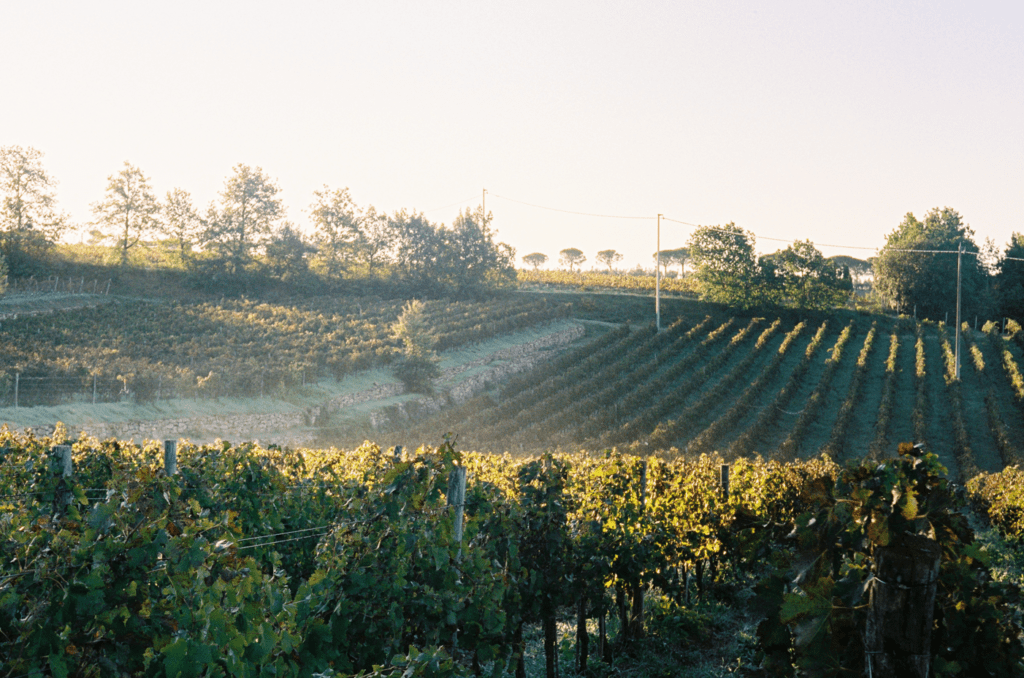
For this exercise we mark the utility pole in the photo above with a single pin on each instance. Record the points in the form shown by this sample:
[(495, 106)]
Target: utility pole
[(483, 209), (959, 258), (657, 280)]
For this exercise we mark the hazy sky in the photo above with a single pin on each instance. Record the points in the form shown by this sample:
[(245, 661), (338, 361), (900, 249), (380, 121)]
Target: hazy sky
[(820, 120)]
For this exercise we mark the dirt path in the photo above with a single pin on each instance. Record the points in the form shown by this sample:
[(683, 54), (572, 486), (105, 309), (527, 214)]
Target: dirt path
[(865, 412), (733, 391), (940, 433), (788, 417), (793, 357), (901, 428), (973, 388), (20, 304), (819, 432), (1011, 411)]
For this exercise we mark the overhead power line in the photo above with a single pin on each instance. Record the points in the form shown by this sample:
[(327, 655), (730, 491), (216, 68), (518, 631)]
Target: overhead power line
[(555, 209), (461, 202), (720, 230)]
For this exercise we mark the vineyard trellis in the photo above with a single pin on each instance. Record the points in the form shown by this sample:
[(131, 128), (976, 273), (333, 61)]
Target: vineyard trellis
[(176, 558)]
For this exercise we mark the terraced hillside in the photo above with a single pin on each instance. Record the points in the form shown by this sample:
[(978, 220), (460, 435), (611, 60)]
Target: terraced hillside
[(741, 386)]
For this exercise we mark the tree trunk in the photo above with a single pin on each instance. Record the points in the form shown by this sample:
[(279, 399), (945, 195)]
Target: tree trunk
[(582, 638), (897, 634), (636, 620), (520, 646), (550, 645), (623, 609)]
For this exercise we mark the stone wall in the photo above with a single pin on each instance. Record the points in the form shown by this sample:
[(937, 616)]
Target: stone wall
[(294, 428), (513, 360)]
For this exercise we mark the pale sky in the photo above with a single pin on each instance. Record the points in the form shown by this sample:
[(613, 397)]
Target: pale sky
[(819, 120)]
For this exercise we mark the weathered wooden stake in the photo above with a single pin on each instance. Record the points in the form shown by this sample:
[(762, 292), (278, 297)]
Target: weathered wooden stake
[(724, 481), (457, 497), (94, 389), (636, 619), (897, 634), (63, 497), (170, 457), (63, 452), (17, 379), (108, 287)]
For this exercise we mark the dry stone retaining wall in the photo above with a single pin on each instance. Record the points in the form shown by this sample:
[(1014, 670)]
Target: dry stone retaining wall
[(284, 424)]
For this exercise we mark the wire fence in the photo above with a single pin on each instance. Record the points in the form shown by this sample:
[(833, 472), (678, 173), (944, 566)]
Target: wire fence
[(56, 284)]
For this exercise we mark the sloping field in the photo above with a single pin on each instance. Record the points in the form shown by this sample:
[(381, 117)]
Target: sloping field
[(741, 386)]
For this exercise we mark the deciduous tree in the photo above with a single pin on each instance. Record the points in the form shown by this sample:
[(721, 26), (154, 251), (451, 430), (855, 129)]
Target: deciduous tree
[(128, 210), (181, 222), (926, 280), (336, 220), (571, 257), (249, 210), (29, 220), (1010, 279), (469, 255), (286, 254), (809, 280), (726, 268), (418, 366)]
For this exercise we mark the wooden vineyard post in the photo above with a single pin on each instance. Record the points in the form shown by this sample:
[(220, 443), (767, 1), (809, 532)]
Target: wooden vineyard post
[(62, 498), (724, 481), (63, 452), (636, 620), (897, 635), (93, 389), (170, 457), (17, 379), (457, 498)]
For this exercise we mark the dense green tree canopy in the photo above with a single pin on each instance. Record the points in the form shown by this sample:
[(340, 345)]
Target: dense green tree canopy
[(469, 256), (286, 254), (927, 281), (725, 266), (1010, 279), (809, 280)]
